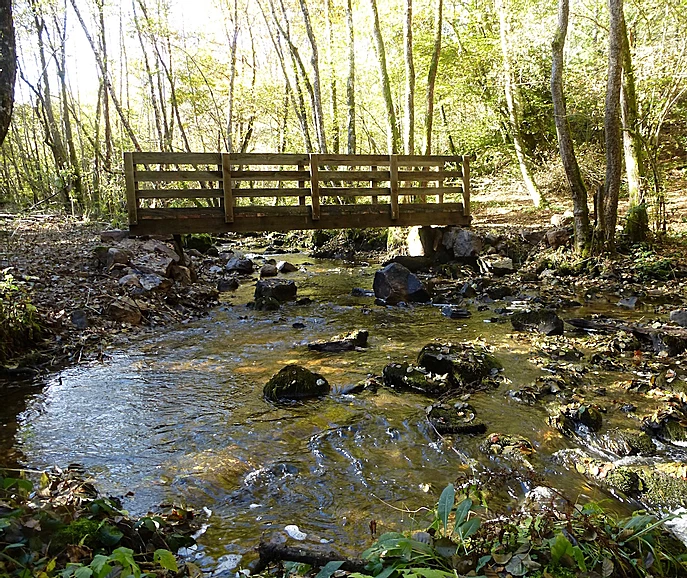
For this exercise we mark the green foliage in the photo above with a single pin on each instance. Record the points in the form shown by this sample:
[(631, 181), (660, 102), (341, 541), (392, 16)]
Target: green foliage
[(20, 325), (650, 266)]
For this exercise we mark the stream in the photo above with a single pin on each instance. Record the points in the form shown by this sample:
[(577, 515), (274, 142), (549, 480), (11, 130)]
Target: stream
[(179, 417)]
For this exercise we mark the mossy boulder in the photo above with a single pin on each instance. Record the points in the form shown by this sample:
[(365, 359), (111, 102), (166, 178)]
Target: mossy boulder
[(200, 242), (628, 442), (294, 382), (542, 321), (406, 377), (498, 444), (668, 424), (574, 417), (466, 366)]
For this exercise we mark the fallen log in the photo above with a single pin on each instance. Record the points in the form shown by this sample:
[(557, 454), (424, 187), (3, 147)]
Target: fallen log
[(271, 552)]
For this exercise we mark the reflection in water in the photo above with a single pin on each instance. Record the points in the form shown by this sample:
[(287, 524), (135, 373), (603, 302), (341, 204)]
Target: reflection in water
[(181, 418)]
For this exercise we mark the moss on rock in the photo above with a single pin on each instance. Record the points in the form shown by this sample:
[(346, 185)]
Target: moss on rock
[(294, 382)]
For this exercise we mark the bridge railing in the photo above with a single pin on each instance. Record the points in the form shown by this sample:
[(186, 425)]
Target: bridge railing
[(217, 192)]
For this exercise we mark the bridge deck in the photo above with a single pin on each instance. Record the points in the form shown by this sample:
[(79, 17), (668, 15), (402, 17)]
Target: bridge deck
[(218, 192)]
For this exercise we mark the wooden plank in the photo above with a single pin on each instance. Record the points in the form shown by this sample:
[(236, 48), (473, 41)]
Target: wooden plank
[(130, 181), (179, 193), (353, 160), (420, 160), (315, 186), (353, 175), (177, 176), (428, 175), (271, 175), (301, 185), (227, 185), (332, 217), (375, 184), (393, 185), (268, 158), (152, 158), (273, 192), (466, 186)]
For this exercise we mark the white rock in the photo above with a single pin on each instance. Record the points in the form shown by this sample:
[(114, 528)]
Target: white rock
[(294, 532)]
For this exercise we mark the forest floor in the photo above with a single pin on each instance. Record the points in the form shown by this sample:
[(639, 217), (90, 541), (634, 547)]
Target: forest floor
[(54, 259)]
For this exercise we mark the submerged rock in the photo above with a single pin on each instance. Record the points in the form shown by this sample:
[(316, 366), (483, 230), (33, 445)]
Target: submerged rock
[(294, 382), (668, 424), (240, 265), (227, 284), (454, 418), (395, 284), (542, 321), (405, 377), (453, 312), (628, 442), (280, 289), (340, 343), (506, 445), (569, 418)]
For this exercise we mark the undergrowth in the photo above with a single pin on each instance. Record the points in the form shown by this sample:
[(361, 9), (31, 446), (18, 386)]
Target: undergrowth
[(20, 325)]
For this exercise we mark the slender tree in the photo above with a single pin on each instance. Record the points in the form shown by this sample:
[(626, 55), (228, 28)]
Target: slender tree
[(409, 125), (334, 105), (432, 77), (565, 143), (350, 82), (8, 66)]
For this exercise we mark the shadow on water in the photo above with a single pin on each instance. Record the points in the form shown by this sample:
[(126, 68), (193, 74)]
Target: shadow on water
[(181, 418)]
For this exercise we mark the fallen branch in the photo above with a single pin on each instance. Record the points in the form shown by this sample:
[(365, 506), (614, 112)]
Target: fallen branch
[(271, 552)]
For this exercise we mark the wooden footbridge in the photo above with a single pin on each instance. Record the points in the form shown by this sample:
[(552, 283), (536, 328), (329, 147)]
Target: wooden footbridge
[(174, 193)]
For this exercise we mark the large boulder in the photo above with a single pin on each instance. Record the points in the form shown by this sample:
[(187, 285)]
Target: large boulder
[(240, 265), (541, 321), (294, 382), (463, 243), (340, 343), (280, 289), (465, 365), (395, 284), (679, 316), (125, 310)]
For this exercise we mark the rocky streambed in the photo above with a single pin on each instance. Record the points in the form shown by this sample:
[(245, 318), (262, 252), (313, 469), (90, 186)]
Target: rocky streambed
[(492, 361)]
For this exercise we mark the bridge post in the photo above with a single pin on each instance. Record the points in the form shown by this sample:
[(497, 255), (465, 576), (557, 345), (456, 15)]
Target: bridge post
[(130, 178), (466, 186), (315, 185), (393, 185), (227, 186)]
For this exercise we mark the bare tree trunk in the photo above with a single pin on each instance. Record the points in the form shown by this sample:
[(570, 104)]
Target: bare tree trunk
[(514, 107), (409, 126), (108, 84), (432, 77), (393, 136), (106, 98), (565, 143), (613, 139), (314, 61), (336, 146), (8, 66), (350, 83), (233, 44)]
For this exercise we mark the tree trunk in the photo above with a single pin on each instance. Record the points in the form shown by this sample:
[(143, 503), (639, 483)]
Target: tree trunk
[(513, 102), (233, 44), (432, 77), (613, 138), (106, 98), (409, 127), (350, 83), (565, 143), (317, 91), (8, 66), (336, 139), (393, 136)]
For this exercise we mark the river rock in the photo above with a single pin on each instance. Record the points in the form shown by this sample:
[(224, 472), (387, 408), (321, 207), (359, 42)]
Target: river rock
[(557, 238), (240, 265), (413, 264), (568, 419), (286, 267), (542, 321), (462, 242), (395, 284), (227, 284), (79, 319), (498, 265), (627, 442), (453, 312), (200, 242), (181, 274), (466, 366), (454, 418), (125, 310), (668, 344), (153, 282), (406, 377), (130, 280), (679, 316), (280, 289), (543, 499), (268, 270), (498, 292), (668, 424), (340, 343), (294, 382), (113, 235), (507, 445)]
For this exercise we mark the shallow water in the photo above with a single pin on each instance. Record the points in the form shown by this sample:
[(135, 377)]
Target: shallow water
[(179, 417)]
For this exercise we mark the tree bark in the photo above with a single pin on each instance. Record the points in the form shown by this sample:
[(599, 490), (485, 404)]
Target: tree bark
[(409, 126), (612, 127), (350, 83), (8, 66), (514, 107), (565, 143), (432, 77), (233, 44), (393, 136), (336, 139)]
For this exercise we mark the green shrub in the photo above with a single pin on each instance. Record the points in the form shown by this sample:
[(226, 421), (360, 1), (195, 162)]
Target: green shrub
[(20, 325)]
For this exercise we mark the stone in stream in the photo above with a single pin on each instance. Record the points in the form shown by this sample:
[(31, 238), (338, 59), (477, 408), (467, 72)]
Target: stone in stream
[(405, 377), (628, 442), (448, 417), (286, 267), (455, 312), (542, 321), (465, 366), (498, 444), (280, 289), (227, 284), (339, 343), (79, 319), (668, 344), (124, 310), (679, 316), (569, 418), (268, 270), (294, 382), (668, 424), (395, 284), (240, 265), (462, 242)]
